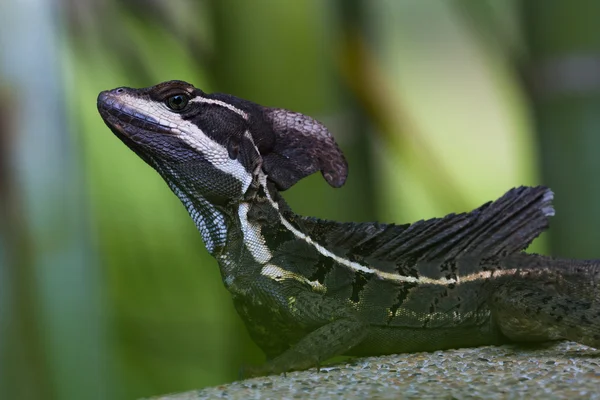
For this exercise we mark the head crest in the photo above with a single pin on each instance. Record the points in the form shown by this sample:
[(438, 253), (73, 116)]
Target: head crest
[(301, 146)]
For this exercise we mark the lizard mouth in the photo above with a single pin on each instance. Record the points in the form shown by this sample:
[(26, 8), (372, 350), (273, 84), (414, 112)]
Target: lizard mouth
[(124, 119)]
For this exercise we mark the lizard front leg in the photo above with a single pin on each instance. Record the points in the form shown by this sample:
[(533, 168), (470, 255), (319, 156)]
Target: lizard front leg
[(321, 344), (335, 331)]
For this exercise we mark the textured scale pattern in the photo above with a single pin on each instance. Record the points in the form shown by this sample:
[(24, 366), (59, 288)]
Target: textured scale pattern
[(309, 289)]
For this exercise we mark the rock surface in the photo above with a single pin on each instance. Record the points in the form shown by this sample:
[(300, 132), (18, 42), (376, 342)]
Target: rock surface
[(561, 371)]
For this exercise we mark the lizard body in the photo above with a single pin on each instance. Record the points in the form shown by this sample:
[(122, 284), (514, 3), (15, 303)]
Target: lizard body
[(309, 289)]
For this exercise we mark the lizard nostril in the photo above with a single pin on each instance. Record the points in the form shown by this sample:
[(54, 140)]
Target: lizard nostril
[(119, 90)]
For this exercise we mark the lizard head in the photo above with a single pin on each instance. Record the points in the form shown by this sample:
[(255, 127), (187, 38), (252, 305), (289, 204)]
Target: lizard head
[(210, 148), (174, 123)]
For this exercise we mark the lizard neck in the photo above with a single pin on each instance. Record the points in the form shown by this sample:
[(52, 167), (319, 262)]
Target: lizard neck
[(244, 235), (256, 228)]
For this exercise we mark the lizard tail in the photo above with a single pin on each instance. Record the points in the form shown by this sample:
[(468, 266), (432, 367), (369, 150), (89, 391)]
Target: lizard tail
[(550, 299)]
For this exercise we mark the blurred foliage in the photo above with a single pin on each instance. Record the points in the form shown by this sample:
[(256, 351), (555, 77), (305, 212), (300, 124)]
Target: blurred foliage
[(427, 100), (563, 76)]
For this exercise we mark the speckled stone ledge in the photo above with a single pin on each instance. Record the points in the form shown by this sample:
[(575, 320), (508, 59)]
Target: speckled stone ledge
[(560, 371)]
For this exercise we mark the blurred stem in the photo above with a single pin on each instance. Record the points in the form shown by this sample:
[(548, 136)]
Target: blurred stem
[(58, 302), (352, 26), (564, 44), (369, 88), (23, 359)]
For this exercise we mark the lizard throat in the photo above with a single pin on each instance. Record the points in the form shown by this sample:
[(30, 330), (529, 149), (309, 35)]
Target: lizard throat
[(209, 220)]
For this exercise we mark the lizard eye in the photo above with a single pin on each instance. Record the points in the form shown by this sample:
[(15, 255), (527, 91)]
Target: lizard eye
[(177, 102)]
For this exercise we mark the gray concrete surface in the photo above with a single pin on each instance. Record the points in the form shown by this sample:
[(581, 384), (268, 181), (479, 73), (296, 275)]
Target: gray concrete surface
[(558, 371)]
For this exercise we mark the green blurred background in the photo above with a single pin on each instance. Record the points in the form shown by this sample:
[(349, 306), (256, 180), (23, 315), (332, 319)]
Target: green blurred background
[(106, 291)]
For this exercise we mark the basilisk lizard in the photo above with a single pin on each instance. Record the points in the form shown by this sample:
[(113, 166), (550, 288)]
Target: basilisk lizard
[(309, 289)]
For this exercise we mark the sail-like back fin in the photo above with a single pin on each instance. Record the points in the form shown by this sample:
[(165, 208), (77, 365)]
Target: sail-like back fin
[(505, 226)]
